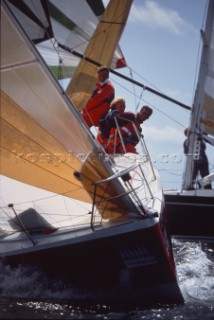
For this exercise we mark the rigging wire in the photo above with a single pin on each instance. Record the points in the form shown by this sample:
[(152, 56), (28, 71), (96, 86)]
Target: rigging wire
[(147, 102), (140, 97), (131, 76), (149, 82)]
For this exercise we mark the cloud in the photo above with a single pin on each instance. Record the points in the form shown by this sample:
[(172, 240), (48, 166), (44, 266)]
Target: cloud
[(155, 16), (167, 134)]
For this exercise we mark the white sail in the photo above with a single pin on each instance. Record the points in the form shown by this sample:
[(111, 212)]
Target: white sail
[(69, 23), (202, 115)]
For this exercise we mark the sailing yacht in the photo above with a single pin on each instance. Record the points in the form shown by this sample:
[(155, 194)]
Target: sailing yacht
[(97, 221), (190, 210)]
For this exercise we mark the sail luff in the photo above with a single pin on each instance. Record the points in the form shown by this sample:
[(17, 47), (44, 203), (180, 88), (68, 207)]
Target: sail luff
[(101, 48)]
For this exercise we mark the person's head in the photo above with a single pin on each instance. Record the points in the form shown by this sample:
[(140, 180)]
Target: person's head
[(144, 114), (118, 104), (102, 73), (186, 132)]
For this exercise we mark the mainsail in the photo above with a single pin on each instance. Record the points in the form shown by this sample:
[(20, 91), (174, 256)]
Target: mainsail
[(202, 116), (100, 49), (44, 140)]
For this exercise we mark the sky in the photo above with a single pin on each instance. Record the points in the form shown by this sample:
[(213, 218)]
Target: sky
[(161, 44)]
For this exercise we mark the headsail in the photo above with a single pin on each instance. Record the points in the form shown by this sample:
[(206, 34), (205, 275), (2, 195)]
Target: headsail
[(101, 49), (44, 139), (35, 126), (202, 116)]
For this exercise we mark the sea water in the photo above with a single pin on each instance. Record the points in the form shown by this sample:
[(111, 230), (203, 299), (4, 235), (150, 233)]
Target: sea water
[(27, 294)]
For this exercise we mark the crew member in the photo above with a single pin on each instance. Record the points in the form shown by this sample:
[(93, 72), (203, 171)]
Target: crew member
[(201, 165), (99, 103), (128, 123), (117, 107)]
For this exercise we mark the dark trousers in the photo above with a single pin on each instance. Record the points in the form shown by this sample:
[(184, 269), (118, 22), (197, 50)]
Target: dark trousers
[(202, 167)]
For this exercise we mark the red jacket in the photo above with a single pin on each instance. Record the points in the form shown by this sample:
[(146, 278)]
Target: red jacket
[(126, 121), (98, 104)]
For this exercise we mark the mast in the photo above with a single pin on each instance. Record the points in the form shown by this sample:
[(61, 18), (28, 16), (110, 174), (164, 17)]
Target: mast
[(202, 118)]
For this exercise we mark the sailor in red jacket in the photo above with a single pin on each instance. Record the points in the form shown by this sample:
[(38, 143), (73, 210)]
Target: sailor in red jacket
[(127, 130), (99, 103)]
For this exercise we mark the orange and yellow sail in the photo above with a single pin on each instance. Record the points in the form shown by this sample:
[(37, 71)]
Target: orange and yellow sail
[(43, 138)]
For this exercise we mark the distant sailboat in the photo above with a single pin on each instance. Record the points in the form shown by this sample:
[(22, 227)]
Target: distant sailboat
[(119, 243), (191, 212)]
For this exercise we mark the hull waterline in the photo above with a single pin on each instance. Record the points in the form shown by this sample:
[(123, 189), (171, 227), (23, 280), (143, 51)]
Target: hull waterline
[(132, 267)]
